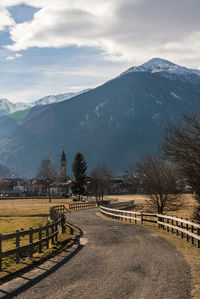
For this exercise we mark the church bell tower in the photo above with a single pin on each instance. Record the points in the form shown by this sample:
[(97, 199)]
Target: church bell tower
[(63, 164)]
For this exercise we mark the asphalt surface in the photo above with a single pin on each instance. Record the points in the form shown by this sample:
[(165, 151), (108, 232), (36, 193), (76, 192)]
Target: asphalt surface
[(115, 260)]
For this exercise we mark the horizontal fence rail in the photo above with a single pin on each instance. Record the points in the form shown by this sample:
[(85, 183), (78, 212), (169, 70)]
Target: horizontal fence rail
[(184, 228), (128, 215), (80, 206), (36, 237)]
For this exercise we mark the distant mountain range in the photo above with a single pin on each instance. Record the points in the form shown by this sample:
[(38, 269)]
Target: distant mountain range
[(116, 123), (7, 107)]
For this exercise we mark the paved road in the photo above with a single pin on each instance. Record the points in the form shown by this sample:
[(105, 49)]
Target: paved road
[(116, 261)]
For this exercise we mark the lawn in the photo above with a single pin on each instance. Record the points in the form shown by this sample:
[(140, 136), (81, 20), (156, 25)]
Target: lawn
[(29, 207)]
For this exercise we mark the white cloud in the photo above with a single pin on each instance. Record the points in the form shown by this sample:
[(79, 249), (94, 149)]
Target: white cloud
[(18, 55), (6, 19), (10, 58), (124, 30)]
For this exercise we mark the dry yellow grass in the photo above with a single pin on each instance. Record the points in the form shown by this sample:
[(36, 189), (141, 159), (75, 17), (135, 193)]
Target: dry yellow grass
[(16, 214), (29, 207), (185, 204), (11, 224)]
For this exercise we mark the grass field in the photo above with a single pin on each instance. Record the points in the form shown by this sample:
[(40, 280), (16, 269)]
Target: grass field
[(29, 207), (184, 208), (17, 214)]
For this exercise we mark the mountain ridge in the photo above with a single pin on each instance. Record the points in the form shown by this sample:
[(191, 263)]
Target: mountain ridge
[(115, 123), (160, 65)]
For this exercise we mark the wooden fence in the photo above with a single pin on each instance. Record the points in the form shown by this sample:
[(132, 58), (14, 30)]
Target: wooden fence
[(36, 237), (187, 230), (80, 206), (56, 212), (128, 216)]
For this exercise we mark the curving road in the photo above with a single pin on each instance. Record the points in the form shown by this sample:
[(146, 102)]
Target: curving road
[(115, 261)]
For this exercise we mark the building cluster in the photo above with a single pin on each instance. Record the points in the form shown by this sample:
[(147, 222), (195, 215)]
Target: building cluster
[(61, 185), (14, 187)]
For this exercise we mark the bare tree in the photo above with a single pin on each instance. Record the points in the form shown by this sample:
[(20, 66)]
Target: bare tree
[(46, 174), (158, 181), (182, 145), (132, 183), (100, 181)]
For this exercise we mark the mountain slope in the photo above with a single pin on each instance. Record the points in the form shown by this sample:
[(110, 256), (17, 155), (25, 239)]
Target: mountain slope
[(6, 107), (115, 123)]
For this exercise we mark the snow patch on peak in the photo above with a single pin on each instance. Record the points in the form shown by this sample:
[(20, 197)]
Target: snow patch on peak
[(7, 107), (57, 98), (156, 65)]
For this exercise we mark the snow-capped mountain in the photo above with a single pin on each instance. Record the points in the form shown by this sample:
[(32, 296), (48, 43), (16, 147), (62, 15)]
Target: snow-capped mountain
[(158, 65), (115, 123), (7, 107), (56, 98)]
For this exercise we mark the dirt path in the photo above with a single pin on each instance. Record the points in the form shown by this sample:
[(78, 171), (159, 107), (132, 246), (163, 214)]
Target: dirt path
[(116, 261)]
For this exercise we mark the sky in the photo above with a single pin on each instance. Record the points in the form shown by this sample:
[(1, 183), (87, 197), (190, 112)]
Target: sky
[(57, 46)]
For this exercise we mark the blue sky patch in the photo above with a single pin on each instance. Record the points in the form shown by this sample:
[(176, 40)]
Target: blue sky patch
[(22, 13)]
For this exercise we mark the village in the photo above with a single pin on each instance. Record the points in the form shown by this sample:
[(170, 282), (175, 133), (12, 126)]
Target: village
[(60, 186)]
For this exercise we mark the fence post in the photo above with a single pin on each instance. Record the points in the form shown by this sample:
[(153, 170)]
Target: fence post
[(172, 223), (167, 226), (130, 217), (187, 237), (181, 227), (177, 229), (192, 230), (47, 234), (40, 237), (163, 225), (158, 221), (63, 219), (52, 231), (56, 236), (0, 253), (198, 241), (17, 246), (141, 218), (31, 242)]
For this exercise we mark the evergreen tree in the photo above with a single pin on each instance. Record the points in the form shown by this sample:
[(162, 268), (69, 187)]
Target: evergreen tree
[(79, 168)]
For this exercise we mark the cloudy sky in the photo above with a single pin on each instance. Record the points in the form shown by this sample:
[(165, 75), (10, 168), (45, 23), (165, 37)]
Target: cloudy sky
[(56, 46)]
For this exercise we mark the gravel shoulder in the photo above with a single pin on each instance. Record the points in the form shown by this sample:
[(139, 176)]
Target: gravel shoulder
[(115, 260)]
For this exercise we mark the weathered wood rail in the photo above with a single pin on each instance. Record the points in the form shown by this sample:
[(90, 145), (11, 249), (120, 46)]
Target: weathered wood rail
[(36, 237), (80, 206), (130, 216), (184, 228)]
